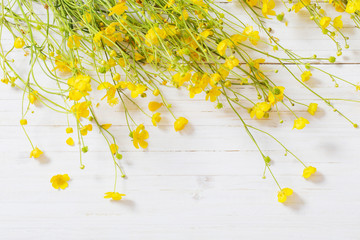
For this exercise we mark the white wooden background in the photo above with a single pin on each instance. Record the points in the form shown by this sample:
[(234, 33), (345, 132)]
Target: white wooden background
[(204, 183)]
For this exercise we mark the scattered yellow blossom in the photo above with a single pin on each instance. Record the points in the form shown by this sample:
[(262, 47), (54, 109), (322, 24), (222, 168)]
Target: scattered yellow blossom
[(106, 126), (213, 94), (33, 97), (324, 22), (300, 5), (338, 23), (23, 122), (60, 181), (352, 6), (180, 123), (260, 109), (139, 137), (114, 195), (19, 42), (81, 110), (276, 95), (153, 106), (70, 142), (119, 8), (312, 108), (305, 76), (114, 148), (73, 41), (155, 119), (69, 130), (267, 8), (36, 153), (300, 123), (308, 171), (284, 193)]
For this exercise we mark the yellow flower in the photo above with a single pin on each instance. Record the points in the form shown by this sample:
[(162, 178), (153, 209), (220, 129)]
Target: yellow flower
[(252, 2), (213, 94), (87, 17), (80, 82), (69, 130), (139, 137), (284, 193), (153, 106), (81, 110), (136, 90), (155, 119), (267, 8), (300, 123), (231, 62), (180, 123), (300, 5), (62, 65), (106, 126), (19, 42), (36, 152), (324, 22), (73, 41), (114, 148), (33, 97), (352, 6), (114, 195), (305, 76), (70, 142), (60, 181), (23, 122), (308, 171), (222, 46), (237, 38), (276, 95), (193, 90), (153, 35), (119, 8), (185, 15), (260, 109), (180, 78), (312, 108), (338, 23), (84, 130)]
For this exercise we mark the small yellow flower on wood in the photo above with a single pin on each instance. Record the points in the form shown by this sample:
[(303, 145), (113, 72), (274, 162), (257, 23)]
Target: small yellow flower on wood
[(308, 171), (114, 148), (33, 97), (23, 122), (36, 152), (284, 193), (300, 123), (69, 130), (338, 23), (153, 106), (324, 22), (70, 141), (155, 119), (139, 137), (305, 76), (312, 108), (106, 126), (60, 181), (114, 195), (180, 123)]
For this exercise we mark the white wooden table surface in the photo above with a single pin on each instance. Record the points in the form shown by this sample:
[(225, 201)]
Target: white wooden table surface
[(204, 183)]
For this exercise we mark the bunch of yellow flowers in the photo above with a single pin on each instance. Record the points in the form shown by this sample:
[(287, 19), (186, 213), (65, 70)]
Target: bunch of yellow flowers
[(129, 49)]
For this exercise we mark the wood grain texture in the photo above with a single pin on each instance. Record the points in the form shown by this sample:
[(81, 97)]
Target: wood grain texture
[(203, 183)]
